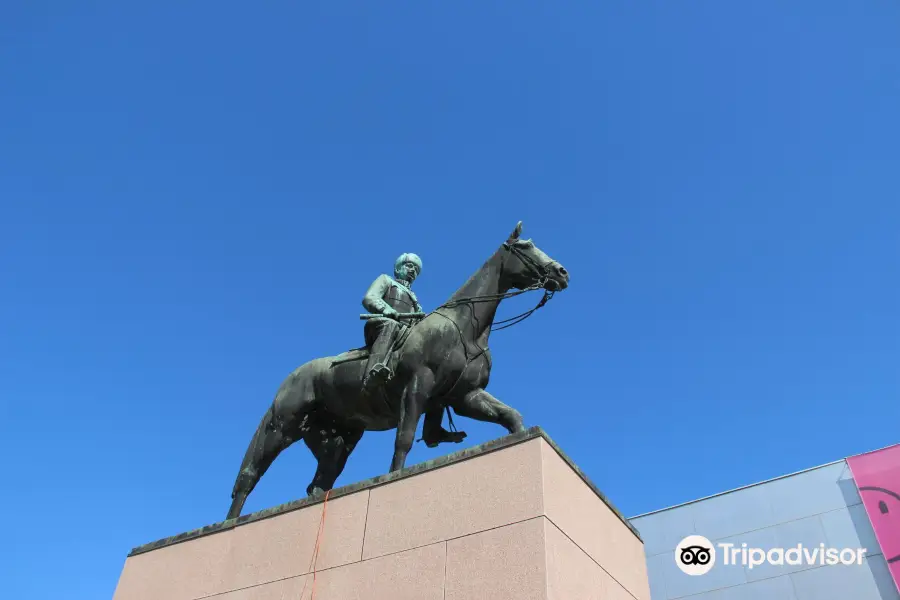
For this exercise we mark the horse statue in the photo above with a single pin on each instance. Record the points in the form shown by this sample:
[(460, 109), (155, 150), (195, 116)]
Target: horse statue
[(441, 362)]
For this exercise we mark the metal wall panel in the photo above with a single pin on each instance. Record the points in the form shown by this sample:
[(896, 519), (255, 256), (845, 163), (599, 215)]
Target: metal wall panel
[(818, 506)]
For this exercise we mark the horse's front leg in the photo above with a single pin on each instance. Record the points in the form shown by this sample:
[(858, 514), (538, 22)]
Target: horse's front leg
[(480, 405), (412, 404)]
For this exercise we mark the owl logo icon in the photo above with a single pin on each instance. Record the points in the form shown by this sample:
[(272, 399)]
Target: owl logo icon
[(695, 555)]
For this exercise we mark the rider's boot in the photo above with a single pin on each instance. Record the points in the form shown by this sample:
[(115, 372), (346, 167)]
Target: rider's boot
[(433, 434), (379, 375), (377, 371), (444, 437)]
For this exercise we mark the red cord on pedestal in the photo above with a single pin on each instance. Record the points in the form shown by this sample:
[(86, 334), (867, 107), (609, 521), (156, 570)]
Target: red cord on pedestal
[(315, 556)]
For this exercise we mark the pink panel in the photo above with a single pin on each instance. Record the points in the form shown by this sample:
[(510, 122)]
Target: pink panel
[(877, 476)]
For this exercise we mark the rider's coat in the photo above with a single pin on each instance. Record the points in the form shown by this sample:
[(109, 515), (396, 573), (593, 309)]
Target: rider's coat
[(387, 291)]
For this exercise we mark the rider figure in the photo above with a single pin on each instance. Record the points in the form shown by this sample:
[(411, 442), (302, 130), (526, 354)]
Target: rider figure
[(389, 297)]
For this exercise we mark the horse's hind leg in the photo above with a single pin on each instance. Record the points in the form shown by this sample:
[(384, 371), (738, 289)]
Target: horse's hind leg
[(331, 447), (482, 406)]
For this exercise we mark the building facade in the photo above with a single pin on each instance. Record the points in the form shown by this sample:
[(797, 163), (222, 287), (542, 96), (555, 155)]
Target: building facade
[(818, 508)]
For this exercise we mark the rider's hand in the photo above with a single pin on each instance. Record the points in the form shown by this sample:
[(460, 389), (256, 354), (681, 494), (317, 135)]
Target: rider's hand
[(390, 313)]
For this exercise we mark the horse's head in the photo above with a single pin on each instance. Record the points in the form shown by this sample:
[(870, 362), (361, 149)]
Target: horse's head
[(528, 265)]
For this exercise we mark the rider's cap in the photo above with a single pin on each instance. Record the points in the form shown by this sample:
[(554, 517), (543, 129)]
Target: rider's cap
[(407, 257)]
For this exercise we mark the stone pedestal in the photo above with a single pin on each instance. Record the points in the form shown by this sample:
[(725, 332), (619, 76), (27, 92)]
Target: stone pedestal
[(512, 519)]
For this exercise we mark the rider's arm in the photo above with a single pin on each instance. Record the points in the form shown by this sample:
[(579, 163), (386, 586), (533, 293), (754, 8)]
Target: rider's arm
[(373, 300)]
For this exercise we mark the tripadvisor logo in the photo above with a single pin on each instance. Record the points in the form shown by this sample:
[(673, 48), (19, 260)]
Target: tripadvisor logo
[(696, 555)]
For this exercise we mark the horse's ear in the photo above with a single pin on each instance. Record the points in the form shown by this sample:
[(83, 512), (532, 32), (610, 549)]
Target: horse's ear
[(516, 232)]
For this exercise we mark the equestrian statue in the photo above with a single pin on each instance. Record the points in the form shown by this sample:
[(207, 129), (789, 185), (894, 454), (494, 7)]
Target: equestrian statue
[(414, 364)]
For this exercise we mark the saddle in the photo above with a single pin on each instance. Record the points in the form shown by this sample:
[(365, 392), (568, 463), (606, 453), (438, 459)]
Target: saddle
[(358, 354)]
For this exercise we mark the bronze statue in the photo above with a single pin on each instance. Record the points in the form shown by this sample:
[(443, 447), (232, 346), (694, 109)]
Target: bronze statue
[(440, 362), (388, 297)]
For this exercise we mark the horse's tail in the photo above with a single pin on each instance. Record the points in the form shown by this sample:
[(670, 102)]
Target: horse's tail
[(268, 441), (265, 425)]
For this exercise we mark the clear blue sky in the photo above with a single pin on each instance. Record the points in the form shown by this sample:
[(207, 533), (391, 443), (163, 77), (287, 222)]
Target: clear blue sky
[(195, 197)]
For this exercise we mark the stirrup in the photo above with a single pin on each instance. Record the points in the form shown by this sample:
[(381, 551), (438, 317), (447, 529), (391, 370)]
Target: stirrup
[(382, 372), (377, 377)]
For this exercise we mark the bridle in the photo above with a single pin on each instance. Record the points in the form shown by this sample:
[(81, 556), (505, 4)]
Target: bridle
[(541, 273)]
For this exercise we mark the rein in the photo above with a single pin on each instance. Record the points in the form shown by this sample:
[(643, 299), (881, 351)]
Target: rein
[(534, 267), (494, 297)]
